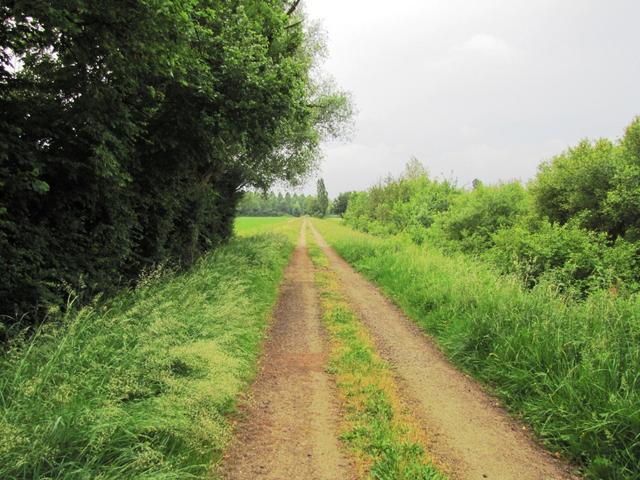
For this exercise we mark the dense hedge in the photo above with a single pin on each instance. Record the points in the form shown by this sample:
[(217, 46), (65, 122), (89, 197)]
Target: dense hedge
[(128, 128)]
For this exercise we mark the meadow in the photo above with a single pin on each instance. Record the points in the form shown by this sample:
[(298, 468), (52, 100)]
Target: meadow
[(567, 367), (141, 385), (247, 226)]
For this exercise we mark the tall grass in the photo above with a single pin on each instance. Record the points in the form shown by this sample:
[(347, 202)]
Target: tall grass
[(570, 369), (139, 386)]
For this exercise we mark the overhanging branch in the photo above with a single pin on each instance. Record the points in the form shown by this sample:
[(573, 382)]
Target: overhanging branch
[(293, 7)]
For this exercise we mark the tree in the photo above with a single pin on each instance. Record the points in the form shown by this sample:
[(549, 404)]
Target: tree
[(595, 184), (575, 184), (414, 169), (129, 132), (623, 200), (322, 198), (257, 204), (340, 203)]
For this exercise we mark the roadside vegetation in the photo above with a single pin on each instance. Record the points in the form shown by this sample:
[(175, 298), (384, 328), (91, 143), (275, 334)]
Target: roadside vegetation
[(128, 134), (376, 429), (140, 385), (568, 367), (130, 318), (535, 288), (576, 226)]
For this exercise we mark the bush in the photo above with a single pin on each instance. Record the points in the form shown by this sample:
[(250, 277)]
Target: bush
[(571, 258), (596, 185), (409, 204), (577, 225), (623, 201), (475, 216)]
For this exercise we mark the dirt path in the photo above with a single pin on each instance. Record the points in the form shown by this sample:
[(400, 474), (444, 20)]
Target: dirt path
[(470, 436), (289, 429)]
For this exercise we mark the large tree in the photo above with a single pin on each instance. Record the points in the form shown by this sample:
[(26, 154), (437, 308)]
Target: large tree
[(340, 204), (129, 128)]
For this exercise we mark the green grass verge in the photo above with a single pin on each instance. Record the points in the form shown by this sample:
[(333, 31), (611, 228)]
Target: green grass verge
[(140, 386), (570, 369), (377, 430)]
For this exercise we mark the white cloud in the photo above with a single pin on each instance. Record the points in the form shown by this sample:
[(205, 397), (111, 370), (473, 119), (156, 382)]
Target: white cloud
[(485, 44)]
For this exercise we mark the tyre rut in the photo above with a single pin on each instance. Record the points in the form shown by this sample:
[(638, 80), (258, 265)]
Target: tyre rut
[(471, 436), (288, 426)]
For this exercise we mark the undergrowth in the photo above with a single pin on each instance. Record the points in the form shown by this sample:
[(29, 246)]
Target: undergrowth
[(139, 386), (570, 369)]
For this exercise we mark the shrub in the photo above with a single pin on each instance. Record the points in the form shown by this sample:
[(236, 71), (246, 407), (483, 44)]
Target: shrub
[(475, 216), (571, 257)]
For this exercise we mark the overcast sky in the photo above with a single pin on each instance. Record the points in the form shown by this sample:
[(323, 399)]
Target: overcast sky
[(476, 89)]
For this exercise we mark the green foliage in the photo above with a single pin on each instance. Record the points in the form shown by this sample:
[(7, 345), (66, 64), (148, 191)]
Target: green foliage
[(569, 368), (596, 185), (574, 185), (472, 218), (571, 258), (339, 205), (577, 225), (409, 204), (140, 386), (623, 201), (269, 204), (128, 129), (322, 199)]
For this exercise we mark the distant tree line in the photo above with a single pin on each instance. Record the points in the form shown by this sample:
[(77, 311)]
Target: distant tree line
[(576, 225), (271, 204), (129, 129)]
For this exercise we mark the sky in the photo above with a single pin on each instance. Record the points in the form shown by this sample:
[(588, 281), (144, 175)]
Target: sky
[(482, 89)]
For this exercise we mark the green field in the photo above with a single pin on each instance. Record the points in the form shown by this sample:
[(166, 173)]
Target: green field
[(140, 386), (570, 369), (245, 226)]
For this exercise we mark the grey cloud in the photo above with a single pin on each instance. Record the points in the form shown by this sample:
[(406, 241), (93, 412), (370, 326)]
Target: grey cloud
[(484, 89)]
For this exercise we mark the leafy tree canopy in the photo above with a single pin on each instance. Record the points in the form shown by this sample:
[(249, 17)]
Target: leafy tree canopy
[(128, 129)]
